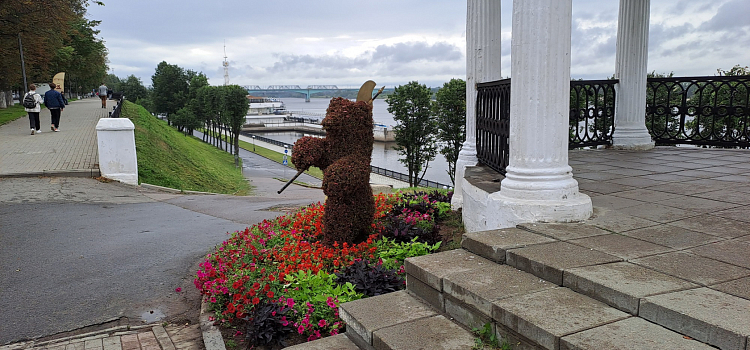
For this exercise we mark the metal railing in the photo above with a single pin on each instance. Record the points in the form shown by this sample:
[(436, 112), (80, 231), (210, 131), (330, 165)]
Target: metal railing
[(373, 169), (116, 110), (592, 113), (493, 124), (709, 111)]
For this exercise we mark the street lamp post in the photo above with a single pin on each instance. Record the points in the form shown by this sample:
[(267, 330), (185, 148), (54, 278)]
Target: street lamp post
[(253, 143), (23, 64)]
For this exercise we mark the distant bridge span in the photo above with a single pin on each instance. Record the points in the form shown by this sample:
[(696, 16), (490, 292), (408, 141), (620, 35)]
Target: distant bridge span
[(310, 89)]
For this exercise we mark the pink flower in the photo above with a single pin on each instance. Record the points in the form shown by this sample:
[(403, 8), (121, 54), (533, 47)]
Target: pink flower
[(300, 329), (178, 289), (290, 302), (322, 323)]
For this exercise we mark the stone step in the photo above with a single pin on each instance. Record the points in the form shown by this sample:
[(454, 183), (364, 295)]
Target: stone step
[(401, 321), (336, 342), (546, 251)]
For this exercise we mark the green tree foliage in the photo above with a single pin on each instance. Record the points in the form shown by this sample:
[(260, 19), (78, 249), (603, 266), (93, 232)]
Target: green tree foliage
[(450, 110), (170, 89), (133, 89), (726, 121), (82, 56), (234, 107), (416, 128), (55, 36)]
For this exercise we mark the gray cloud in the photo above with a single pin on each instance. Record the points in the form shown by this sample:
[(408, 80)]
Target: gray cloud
[(417, 51), (731, 15)]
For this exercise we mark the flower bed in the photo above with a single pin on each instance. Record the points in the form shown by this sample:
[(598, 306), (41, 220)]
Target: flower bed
[(276, 280)]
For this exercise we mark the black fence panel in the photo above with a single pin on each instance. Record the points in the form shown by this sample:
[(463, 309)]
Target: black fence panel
[(709, 111), (493, 124), (592, 112)]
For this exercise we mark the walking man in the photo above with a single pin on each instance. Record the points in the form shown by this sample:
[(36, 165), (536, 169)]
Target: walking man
[(53, 100), (103, 95)]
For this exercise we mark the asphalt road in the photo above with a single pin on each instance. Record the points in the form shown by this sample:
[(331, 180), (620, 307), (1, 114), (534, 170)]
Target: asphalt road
[(76, 252)]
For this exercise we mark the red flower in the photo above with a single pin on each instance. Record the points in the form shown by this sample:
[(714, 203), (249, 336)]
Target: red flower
[(256, 301)]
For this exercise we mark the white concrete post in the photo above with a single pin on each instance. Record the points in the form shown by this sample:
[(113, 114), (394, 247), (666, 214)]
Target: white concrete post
[(631, 69), (117, 157), (483, 53), (539, 184)]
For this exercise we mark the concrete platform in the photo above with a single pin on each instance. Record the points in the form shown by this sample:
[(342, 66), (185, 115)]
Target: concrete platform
[(336, 342), (434, 333), (548, 261), (494, 244)]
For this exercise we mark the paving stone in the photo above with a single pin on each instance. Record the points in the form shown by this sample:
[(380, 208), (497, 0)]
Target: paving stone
[(709, 316), (546, 316), (431, 295), (603, 187), (365, 316), (689, 187), (725, 195), (646, 195), (735, 252), (79, 345), (739, 213), (630, 334), (548, 261), (431, 268), (148, 341), (615, 221), (622, 284), (434, 333), (693, 268), (637, 181), (564, 232), (657, 212), (111, 343), (336, 342), (739, 287), (465, 314), (614, 202), (130, 342), (696, 204), (621, 246), (494, 244), (92, 344), (480, 287), (713, 225), (672, 236), (163, 338)]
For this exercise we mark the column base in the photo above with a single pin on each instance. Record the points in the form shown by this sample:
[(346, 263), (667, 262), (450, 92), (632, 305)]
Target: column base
[(632, 139), (487, 211), (466, 158)]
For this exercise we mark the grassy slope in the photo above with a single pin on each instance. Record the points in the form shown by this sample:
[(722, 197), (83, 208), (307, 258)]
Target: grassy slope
[(168, 158), (11, 113)]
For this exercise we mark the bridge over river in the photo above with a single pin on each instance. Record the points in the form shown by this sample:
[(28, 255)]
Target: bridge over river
[(307, 91)]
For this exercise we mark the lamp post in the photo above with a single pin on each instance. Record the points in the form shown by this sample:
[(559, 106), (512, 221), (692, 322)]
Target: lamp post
[(253, 143), (23, 64)]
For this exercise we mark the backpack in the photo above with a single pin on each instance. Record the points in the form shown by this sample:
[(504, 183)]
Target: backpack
[(29, 101)]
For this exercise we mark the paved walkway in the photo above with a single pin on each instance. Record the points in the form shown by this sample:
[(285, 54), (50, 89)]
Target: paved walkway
[(70, 151), (151, 337)]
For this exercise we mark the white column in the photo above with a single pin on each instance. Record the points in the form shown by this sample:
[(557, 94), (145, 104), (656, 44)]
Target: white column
[(117, 157), (482, 64), (539, 184), (631, 69)]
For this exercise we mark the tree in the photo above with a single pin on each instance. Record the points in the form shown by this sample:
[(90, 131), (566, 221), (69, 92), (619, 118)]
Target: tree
[(43, 27), (235, 106), (416, 129), (450, 111), (133, 88), (170, 89)]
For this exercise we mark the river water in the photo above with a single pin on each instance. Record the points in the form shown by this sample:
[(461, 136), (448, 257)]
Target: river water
[(383, 154)]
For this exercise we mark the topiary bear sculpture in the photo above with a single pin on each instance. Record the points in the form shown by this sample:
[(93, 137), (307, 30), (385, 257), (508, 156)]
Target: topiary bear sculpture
[(344, 155)]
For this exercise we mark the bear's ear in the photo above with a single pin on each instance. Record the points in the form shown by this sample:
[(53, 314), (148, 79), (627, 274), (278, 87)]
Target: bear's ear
[(365, 92)]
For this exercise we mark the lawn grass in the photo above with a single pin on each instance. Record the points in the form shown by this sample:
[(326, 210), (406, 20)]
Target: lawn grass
[(11, 113), (168, 158)]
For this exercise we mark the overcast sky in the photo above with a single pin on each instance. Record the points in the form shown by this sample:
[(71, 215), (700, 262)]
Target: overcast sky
[(344, 43)]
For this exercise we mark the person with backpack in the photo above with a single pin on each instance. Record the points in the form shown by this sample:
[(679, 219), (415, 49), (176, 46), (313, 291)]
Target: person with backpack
[(53, 100), (32, 104)]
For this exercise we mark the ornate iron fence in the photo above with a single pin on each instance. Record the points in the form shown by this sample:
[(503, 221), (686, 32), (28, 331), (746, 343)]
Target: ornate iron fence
[(493, 123), (712, 111), (592, 113)]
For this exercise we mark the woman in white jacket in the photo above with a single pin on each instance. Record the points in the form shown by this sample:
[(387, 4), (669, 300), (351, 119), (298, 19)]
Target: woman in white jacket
[(34, 112)]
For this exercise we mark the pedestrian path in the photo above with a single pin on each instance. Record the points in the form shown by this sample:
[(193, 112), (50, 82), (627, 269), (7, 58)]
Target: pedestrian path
[(70, 152), (150, 337)]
